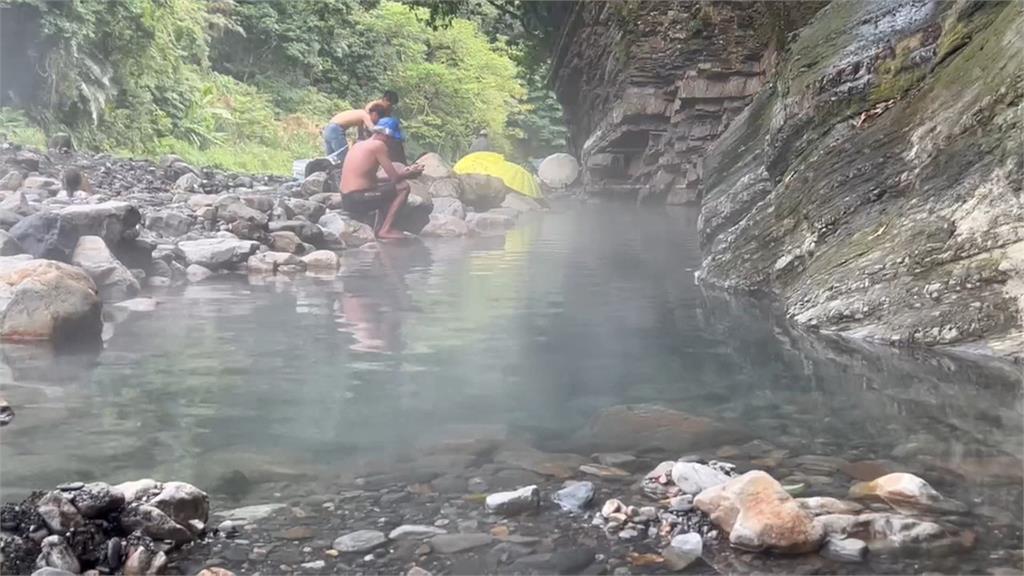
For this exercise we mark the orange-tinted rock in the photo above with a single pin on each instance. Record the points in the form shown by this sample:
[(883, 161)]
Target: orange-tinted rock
[(759, 515), (649, 426), (906, 493)]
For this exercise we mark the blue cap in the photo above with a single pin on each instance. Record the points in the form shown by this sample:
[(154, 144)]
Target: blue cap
[(388, 125)]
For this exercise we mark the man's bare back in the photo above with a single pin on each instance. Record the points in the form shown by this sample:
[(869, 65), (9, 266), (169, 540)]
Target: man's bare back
[(360, 169), (353, 118)]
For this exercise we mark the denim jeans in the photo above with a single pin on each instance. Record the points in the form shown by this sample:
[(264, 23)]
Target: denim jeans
[(335, 142)]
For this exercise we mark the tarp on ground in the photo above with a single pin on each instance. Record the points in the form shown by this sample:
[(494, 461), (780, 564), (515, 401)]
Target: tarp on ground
[(493, 164)]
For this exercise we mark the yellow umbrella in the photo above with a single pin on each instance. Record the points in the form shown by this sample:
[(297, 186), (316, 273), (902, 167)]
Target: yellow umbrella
[(493, 164)]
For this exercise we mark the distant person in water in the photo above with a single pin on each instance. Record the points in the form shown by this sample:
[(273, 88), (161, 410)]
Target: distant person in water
[(480, 143), (335, 140), (362, 192)]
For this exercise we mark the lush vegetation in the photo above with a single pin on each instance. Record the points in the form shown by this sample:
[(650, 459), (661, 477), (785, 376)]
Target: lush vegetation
[(248, 84)]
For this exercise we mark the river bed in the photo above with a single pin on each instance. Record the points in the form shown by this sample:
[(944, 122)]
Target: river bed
[(429, 363)]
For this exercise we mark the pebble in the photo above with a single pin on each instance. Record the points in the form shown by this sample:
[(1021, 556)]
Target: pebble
[(417, 571), (611, 506), (71, 486), (408, 531), (519, 501), (297, 533), (477, 485), (628, 534), (452, 543), (314, 565), (359, 541), (574, 497), (442, 522)]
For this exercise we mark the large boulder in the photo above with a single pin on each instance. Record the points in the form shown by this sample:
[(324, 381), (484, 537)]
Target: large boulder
[(17, 202), (12, 181), (434, 166), (114, 280), (759, 515), (445, 188), (447, 206), (309, 209), (348, 231), (113, 221), (558, 170), (217, 253), (445, 226), (231, 209), (481, 192), (45, 235), (47, 300), (169, 223)]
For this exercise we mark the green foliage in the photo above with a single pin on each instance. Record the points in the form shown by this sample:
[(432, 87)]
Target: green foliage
[(16, 127), (248, 84)]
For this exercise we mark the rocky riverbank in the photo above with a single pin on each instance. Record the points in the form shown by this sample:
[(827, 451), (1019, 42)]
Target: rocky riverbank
[(484, 506), (79, 230)]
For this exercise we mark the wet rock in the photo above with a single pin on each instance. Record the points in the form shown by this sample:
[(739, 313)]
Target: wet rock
[(658, 482), (489, 223), (445, 226), (232, 209), (417, 571), (217, 253), (324, 260), (445, 188), (612, 506), (97, 499), (575, 496), (434, 166), (564, 561), (602, 471), (6, 413), (558, 465), (154, 523), (414, 531), (820, 505), (360, 541), (519, 203), (906, 493), (845, 550), (285, 241), (682, 551), (617, 459), (183, 503), (308, 209), (454, 543), (519, 501), (308, 232), (52, 572), (114, 280), (480, 191), (57, 554), (18, 203), (650, 426), (885, 532), (694, 477), (449, 207), (349, 232), (759, 515), (47, 300), (197, 273), (215, 571), (113, 221), (45, 235), (250, 514), (270, 262)]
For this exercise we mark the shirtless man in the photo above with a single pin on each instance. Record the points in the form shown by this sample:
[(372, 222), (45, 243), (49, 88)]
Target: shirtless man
[(362, 192), (335, 142)]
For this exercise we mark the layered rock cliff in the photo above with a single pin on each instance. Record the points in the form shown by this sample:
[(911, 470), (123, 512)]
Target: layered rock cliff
[(873, 177)]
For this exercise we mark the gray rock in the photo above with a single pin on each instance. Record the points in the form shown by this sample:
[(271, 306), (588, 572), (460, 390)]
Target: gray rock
[(113, 221), (249, 514), (58, 512), (410, 531), (558, 170), (8, 245), (259, 202), (307, 231), (308, 209), (489, 223), (155, 523), (169, 223), (449, 207), (52, 572), (454, 543), (575, 497), (445, 226), (12, 181), (55, 553), (351, 233), (183, 503), (271, 262), (849, 550), (197, 273), (114, 280), (47, 300), (18, 203), (519, 501), (231, 209), (188, 183), (324, 260), (518, 203), (434, 166), (360, 541), (217, 253), (693, 477), (45, 235), (445, 188), (137, 489), (481, 192), (97, 499), (314, 184), (285, 241)]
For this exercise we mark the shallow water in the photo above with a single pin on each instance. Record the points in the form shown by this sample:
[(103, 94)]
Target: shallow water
[(521, 339)]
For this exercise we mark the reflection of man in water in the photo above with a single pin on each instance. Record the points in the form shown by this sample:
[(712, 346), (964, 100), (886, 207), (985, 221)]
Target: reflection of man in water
[(376, 297)]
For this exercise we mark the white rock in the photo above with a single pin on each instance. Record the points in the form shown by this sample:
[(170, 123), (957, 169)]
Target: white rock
[(410, 531), (524, 499), (216, 253), (114, 280), (350, 232), (521, 203), (197, 273), (693, 477), (434, 166), (321, 260), (445, 226), (612, 506), (359, 541), (249, 514), (558, 170), (137, 488)]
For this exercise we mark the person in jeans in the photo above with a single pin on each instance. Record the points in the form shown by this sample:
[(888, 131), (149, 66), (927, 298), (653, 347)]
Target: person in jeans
[(335, 139)]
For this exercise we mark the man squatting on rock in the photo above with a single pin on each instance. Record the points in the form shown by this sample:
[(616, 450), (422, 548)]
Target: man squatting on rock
[(362, 192)]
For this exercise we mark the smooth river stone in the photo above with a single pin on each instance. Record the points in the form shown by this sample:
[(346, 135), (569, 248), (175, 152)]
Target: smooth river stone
[(360, 541), (453, 543)]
